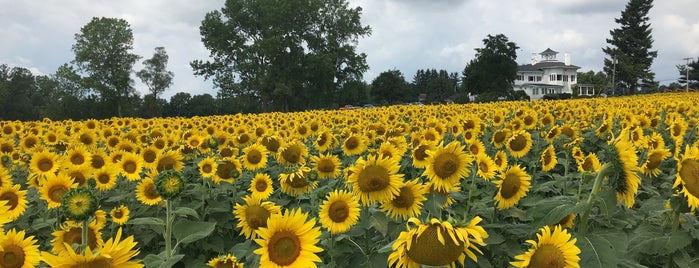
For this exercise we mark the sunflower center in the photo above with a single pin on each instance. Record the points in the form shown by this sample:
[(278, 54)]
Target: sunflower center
[(339, 211), (510, 186), (56, 192), (149, 156), (271, 144), (118, 214), (326, 166), (445, 165), (499, 136), (166, 164), (86, 139), (45, 165), (654, 161), (587, 164), (99, 263), (12, 256), (150, 192), (419, 153), (547, 158), (260, 185), (518, 143), (11, 198), (352, 143), (428, 250), (130, 167), (322, 139), (256, 217), (254, 156), (373, 178), (690, 176), (97, 162), (676, 130), (74, 236), (547, 255), (405, 198), (207, 168), (104, 178), (284, 247), (483, 167), (292, 155), (297, 181), (474, 149), (77, 159)]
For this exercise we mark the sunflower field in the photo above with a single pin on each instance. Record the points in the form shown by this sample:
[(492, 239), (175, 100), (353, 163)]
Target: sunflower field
[(603, 182)]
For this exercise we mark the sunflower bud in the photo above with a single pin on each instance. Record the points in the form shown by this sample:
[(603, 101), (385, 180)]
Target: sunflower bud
[(169, 184), (79, 203)]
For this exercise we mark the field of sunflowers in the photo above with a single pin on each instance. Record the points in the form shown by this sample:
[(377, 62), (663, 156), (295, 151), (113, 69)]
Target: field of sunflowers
[(602, 182)]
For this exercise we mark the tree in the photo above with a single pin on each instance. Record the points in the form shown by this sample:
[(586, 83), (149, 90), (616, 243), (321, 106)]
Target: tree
[(102, 52), (389, 88), (353, 92), (155, 74), (178, 104), (599, 80), (630, 46), (437, 86), (693, 74), (493, 71), (290, 53)]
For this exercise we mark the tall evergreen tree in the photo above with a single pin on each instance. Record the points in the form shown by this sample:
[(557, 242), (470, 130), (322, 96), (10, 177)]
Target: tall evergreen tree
[(630, 45)]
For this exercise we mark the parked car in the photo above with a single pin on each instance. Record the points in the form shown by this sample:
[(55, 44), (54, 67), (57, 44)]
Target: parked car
[(348, 107)]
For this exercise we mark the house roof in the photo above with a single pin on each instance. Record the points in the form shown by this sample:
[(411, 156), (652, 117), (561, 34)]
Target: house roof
[(549, 51), (539, 66)]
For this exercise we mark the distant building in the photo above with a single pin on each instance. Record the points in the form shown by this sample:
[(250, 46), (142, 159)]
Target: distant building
[(546, 75)]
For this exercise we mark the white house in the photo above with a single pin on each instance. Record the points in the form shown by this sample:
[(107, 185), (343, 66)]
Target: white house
[(546, 75)]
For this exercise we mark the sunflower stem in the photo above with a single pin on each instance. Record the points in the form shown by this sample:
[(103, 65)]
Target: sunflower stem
[(168, 230), (603, 172), (83, 246), (470, 192)]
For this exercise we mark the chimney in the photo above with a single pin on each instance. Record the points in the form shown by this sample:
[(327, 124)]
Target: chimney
[(535, 58), (566, 58)]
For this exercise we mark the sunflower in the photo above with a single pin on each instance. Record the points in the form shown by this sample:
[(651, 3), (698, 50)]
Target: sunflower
[(500, 137), (54, 188), (548, 158), (325, 141), (476, 147), (566, 221), (326, 165), (70, 234), (15, 198), (79, 203), (519, 143), (169, 160), (408, 202), (169, 184), (115, 252), (293, 153), (253, 214), (5, 177), (44, 163), (19, 251), (375, 179), (500, 160), (130, 166), (486, 166), (552, 134), (228, 170), (296, 183), (272, 143), (447, 165), (577, 153), (105, 178), (289, 240), (254, 157), (589, 164), (553, 249), (651, 167), (120, 215), (512, 186), (688, 176), (207, 167), (146, 192), (604, 129), (624, 179), (339, 211), (261, 186), (419, 154), (77, 156), (354, 144), (437, 243), (228, 261), (29, 142)]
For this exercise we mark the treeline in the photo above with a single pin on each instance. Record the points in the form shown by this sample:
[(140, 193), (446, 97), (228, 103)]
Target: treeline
[(25, 96)]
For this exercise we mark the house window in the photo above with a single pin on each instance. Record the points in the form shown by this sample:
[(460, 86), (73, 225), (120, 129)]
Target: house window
[(565, 78), (559, 77), (552, 77), (535, 91), (572, 78), (531, 78), (520, 77), (538, 78)]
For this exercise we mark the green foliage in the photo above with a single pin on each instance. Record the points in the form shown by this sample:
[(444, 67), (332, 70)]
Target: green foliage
[(493, 70), (154, 74), (437, 86), (389, 88), (290, 54), (630, 46)]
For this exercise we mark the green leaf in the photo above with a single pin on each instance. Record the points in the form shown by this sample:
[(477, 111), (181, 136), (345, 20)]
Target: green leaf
[(146, 221), (153, 260), (186, 211), (663, 244), (189, 231), (172, 261), (380, 222), (557, 213), (602, 249)]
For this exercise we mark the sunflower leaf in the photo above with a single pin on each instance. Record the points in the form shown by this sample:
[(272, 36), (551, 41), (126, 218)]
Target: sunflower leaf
[(186, 211), (189, 231), (146, 221)]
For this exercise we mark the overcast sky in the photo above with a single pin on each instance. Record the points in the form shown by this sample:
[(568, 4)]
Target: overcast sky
[(407, 35)]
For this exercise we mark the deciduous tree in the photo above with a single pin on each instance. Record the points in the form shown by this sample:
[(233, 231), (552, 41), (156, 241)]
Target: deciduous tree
[(492, 72), (155, 74)]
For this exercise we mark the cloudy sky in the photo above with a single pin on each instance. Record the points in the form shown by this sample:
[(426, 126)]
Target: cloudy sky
[(407, 35)]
